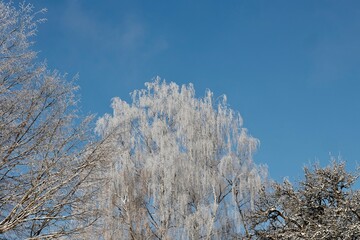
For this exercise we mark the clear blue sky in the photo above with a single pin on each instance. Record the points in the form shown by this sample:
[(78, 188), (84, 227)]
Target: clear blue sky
[(291, 68)]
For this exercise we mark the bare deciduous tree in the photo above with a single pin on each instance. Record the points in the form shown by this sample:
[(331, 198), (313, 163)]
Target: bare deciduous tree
[(46, 155), (323, 206), (183, 167)]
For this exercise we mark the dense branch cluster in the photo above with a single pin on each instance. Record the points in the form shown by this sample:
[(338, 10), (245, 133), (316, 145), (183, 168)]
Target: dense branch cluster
[(183, 166), (322, 207), (45, 156)]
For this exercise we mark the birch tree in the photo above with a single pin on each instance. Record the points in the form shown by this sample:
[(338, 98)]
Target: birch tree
[(182, 167), (323, 206), (46, 154)]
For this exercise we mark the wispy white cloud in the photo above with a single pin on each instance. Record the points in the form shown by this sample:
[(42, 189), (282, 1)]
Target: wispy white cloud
[(334, 56), (127, 37), (133, 33), (75, 19), (331, 62)]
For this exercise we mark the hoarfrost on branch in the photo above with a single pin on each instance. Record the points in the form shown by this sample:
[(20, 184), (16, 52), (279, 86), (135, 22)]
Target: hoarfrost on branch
[(182, 166)]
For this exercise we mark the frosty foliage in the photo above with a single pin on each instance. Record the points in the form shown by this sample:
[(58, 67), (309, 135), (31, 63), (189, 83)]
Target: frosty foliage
[(46, 156), (182, 166), (323, 206)]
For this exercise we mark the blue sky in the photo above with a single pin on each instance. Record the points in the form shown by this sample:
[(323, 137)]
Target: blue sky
[(291, 68)]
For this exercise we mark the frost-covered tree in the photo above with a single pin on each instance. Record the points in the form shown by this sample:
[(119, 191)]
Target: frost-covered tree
[(323, 206), (182, 167), (46, 155)]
